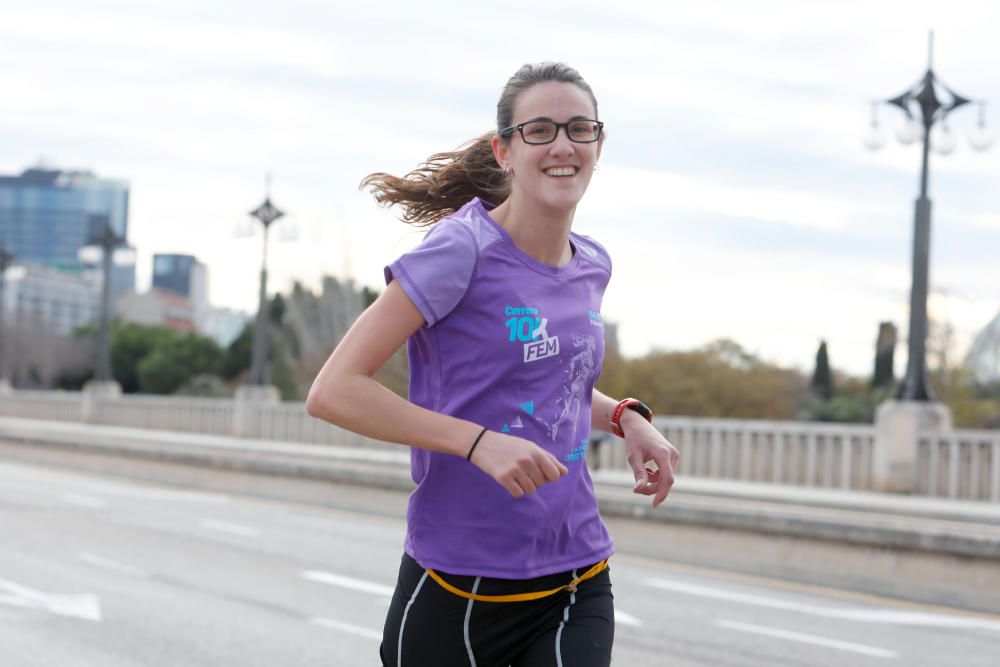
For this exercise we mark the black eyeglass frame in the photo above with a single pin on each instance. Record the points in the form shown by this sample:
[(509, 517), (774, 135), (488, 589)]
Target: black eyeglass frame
[(509, 131)]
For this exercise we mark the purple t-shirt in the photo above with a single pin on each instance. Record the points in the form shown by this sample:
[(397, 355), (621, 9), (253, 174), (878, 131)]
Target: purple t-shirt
[(516, 346)]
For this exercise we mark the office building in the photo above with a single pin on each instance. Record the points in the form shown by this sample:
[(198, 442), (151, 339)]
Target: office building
[(57, 301), (47, 215), (183, 275), (157, 307)]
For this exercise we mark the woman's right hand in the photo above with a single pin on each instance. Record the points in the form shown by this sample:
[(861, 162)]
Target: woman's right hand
[(517, 464)]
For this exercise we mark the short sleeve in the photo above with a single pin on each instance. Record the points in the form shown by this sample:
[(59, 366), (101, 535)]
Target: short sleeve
[(436, 274)]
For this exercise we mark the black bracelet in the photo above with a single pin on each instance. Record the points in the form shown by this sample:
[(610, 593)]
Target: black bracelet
[(468, 457)]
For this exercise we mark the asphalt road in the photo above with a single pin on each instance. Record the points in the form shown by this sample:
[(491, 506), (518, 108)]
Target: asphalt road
[(104, 572)]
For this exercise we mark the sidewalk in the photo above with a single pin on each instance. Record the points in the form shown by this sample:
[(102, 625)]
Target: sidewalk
[(881, 543)]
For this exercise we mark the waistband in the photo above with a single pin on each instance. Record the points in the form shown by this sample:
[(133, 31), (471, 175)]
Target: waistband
[(571, 587)]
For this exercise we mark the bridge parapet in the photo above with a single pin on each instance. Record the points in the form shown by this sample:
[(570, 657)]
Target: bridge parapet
[(935, 461)]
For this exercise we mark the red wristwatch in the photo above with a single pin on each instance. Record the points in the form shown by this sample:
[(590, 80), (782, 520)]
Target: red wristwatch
[(631, 404)]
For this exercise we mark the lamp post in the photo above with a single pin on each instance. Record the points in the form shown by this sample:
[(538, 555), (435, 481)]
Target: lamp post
[(107, 241), (6, 259), (934, 101), (266, 214)]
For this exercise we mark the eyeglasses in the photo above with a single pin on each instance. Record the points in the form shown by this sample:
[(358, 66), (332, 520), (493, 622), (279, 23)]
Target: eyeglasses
[(580, 130)]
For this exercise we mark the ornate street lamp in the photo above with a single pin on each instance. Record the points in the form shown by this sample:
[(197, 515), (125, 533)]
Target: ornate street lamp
[(106, 241), (934, 102), (266, 214), (6, 259)]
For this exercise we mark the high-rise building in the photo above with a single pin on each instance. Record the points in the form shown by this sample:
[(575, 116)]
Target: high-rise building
[(47, 215), (183, 275), (157, 307)]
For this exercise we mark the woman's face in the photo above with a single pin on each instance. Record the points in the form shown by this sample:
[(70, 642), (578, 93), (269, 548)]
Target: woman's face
[(553, 175)]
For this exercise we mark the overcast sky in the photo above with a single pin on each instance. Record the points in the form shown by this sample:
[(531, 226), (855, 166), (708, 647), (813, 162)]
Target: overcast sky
[(734, 192)]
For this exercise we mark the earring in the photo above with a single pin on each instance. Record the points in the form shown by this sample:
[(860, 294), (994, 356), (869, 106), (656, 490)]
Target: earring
[(505, 171), (595, 166)]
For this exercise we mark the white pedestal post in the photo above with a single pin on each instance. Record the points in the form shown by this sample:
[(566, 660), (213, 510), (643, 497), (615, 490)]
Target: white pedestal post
[(249, 399), (897, 427), (92, 394)]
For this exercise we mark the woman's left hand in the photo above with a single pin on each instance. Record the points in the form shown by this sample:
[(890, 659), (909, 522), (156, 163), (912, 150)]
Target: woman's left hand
[(644, 443)]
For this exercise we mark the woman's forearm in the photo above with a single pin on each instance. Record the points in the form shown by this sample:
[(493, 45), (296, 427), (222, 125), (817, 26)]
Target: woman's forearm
[(360, 404), (601, 410)]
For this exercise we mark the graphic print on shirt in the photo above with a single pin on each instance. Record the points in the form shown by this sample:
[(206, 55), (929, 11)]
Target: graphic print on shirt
[(578, 375), (579, 452), (526, 326)]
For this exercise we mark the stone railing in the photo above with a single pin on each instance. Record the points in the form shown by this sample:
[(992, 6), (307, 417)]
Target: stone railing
[(800, 453), (905, 451), (959, 464), (63, 406)]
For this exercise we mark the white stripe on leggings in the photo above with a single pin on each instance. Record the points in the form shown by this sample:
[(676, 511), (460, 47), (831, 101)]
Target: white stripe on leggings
[(468, 615), (413, 598), (572, 599)]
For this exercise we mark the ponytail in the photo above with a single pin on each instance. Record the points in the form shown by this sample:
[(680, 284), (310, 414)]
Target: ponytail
[(444, 183)]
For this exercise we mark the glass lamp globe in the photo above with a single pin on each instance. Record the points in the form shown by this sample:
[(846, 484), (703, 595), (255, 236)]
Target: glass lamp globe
[(123, 256), (874, 137), (89, 254), (943, 140), (980, 137), (911, 130)]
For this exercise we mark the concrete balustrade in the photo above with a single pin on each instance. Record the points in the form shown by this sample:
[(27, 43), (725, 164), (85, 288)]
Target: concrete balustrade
[(959, 464), (910, 449), (798, 453)]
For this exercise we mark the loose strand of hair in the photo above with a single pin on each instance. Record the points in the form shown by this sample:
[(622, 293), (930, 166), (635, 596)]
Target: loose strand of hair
[(443, 183)]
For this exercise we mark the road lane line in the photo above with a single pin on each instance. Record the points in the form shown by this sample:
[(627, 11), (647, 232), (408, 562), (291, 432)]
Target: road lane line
[(884, 616), (778, 633), (347, 627), (231, 528), (627, 619), (86, 607), (800, 588), (109, 564), (85, 501), (348, 582), (140, 493)]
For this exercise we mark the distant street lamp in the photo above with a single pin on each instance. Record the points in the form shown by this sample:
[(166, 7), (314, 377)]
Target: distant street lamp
[(106, 241), (266, 214), (6, 259), (935, 101)]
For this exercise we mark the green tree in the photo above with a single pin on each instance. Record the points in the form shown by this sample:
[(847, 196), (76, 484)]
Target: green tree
[(130, 344), (720, 379), (822, 380), (170, 366), (236, 359), (368, 296), (885, 348)]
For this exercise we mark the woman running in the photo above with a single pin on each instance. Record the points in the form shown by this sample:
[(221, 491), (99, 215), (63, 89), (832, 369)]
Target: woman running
[(506, 554)]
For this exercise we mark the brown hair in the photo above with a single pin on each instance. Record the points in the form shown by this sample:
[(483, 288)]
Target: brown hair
[(447, 181)]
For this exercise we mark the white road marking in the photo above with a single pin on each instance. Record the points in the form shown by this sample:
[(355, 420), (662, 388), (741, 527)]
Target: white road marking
[(109, 564), (231, 528), (157, 494), (778, 633), (348, 582), (627, 619), (85, 501), (86, 607), (347, 627), (860, 615)]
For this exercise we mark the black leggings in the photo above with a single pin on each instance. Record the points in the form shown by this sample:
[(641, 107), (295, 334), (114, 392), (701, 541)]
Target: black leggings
[(441, 629)]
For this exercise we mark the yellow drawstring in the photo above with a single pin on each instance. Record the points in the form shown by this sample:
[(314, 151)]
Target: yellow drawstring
[(519, 597)]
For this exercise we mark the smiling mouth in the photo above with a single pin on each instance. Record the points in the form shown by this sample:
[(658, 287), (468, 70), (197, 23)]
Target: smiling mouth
[(561, 171)]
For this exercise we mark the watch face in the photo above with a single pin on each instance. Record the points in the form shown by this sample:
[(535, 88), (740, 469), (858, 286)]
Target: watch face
[(642, 409)]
